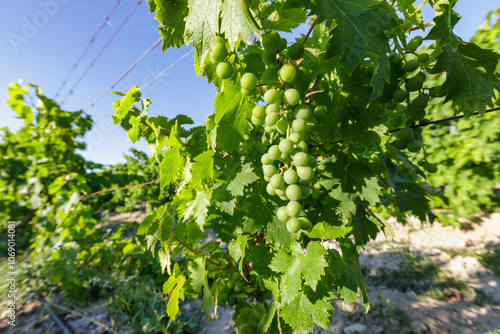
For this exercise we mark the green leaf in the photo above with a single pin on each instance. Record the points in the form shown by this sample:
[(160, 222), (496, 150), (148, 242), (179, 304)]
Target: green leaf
[(301, 313), (286, 19), (325, 231), (202, 25), (471, 79), (173, 161), (197, 274), (207, 301), (16, 102), (249, 318), (363, 226), (298, 265), (244, 177), (443, 30), (171, 14), (261, 257), (174, 286), (237, 250), (146, 224), (122, 106), (198, 207), (276, 232), (203, 168), (235, 22)]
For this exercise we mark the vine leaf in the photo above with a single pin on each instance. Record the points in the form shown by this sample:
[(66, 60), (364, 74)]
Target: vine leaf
[(174, 286), (203, 168), (173, 162), (325, 231), (298, 265), (236, 23), (261, 258), (171, 15), (244, 177), (197, 274), (197, 208), (237, 250), (301, 313)]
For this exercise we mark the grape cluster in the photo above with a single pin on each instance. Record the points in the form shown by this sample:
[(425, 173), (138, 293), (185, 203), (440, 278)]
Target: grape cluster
[(412, 94), (231, 288)]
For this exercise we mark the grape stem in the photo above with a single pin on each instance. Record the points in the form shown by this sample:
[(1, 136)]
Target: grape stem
[(430, 24), (419, 8), (310, 30), (314, 92), (268, 84)]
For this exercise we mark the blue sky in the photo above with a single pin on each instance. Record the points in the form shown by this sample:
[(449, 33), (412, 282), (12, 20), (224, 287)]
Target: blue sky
[(41, 40)]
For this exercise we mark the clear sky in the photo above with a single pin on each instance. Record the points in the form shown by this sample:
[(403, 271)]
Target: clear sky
[(41, 40)]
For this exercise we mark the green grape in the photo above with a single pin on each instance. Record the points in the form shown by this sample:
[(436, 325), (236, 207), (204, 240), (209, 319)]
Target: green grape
[(283, 157), (293, 192), (291, 97), (320, 114), (295, 137), (419, 129), (414, 146), (302, 111), (405, 134), (430, 167), (269, 75), (293, 225), (269, 58), (305, 224), (305, 173), (302, 83), (296, 51), (272, 108), (269, 129), (421, 162), (247, 92), (317, 186), (400, 144), (417, 114), (223, 287), (272, 119), (293, 208), (311, 124), (301, 159), (423, 58), (299, 125), (411, 47), (395, 57), (231, 300), (238, 287), (282, 215), (288, 73), (311, 162), (304, 190), (230, 285), (411, 65), (315, 195), (259, 112), (236, 277), (399, 95), (396, 121), (290, 176), (418, 40), (277, 181), (270, 189), (257, 121), (420, 102), (248, 81), (414, 84), (269, 170), (281, 192), (265, 159), (282, 126), (274, 152), (283, 44), (273, 96), (406, 25), (303, 146), (286, 146), (436, 91), (224, 70), (271, 41), (392, 105), (223, 297), (219, 53)]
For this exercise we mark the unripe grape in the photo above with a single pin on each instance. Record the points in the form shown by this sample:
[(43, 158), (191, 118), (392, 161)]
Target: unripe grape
[(265, 159), (290, 176), (257, 121), (317, 186), (248, 81), (272, 108), (291, 97), (311, 124), (282, 126), (236, 277), (396, 121), (293, 225), (223, 297), (247, 92), (293, 192), (277, 181), (288, 72), (302, 82), (269, 58), (417, 114), (414, 84), (296, 51), (320, 114), (421, 163), (224, 70), (269, 129), (305, 224), (411, 65), (303, 146), (392, 105), (274, 152), (301, 159), (272, 119), (271, 41), (270, 189), (399, 95), (305, 173), (311, 162), (238, 287), (406, 25), (219, 53), (282, 215), (259, 112), (302, 111), (315, 195), (400, 144), (286, 146), (414, 146), (304, 190), (423, 58), (420, 102), (293, 208), (284, 43), (272, 96), (269, 75), (405, 134), (295, 137), (430, 167), (281, 193), (395, 57), (232, 300), (299, 125), (269, 170), (230, 285)]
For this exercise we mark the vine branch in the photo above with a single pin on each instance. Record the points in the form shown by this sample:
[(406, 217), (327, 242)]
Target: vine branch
[(120, 188), (310, 30)]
